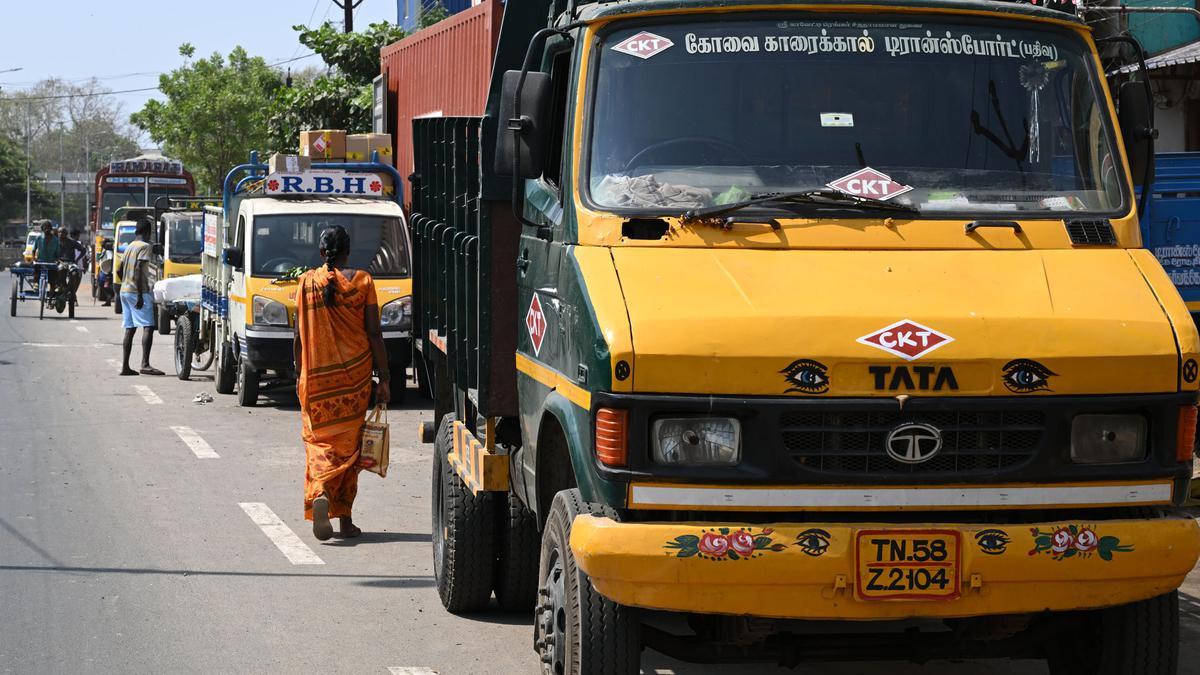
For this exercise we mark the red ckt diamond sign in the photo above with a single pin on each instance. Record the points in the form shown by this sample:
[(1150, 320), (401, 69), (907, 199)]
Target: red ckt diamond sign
[(535, 322), (907, 339), (644, 45), (869, 183)]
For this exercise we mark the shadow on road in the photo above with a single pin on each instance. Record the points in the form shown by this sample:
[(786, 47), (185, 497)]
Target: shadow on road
[(381, 538), (369, 579)]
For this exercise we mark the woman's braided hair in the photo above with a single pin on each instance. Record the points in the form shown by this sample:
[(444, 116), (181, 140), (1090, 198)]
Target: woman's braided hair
[(335, 242)]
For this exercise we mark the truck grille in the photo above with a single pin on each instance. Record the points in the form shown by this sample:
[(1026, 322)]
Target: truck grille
[(853, 442)]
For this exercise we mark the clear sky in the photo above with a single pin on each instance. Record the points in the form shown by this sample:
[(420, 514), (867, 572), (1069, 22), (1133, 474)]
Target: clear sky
[(126, 43)]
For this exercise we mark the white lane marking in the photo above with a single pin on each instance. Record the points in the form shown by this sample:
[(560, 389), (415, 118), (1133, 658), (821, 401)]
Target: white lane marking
[(199, 446), (81, 329), (411, 670), (58, 344), (147, 394), (280, 534), (73, 321)]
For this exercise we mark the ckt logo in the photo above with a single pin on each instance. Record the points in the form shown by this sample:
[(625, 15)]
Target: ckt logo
[(914, 443)]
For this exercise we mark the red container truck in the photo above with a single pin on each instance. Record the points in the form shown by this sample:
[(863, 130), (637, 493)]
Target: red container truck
[(442, 71)]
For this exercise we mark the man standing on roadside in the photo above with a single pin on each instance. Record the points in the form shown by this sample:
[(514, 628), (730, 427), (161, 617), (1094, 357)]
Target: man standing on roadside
[(137, 300)]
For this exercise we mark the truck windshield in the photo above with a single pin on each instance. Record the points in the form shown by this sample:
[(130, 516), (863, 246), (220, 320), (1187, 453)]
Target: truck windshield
[(115, 198), (185, 237), (949, 116), (286, 241)]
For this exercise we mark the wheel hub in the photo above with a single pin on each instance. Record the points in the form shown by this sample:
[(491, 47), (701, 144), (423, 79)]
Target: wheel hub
[(551, 618)]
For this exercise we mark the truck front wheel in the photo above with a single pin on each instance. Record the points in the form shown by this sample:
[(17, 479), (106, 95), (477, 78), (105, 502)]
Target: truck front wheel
[(1141, 638), (577, 631), (463, 531)]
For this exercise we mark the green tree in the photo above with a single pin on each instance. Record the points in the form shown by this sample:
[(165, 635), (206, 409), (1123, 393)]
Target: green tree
[(12, 185), (432, 14), (215, 113), (339, 99)]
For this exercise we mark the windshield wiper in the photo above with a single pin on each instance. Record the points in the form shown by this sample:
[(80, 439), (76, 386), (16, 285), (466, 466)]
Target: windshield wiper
[(824, 197)]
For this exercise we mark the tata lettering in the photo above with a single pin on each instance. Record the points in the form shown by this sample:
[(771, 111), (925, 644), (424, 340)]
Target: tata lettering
[(919, 378), (323, 183)]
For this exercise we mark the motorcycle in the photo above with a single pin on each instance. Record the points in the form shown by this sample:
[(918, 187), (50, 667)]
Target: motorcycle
[(104, 280)]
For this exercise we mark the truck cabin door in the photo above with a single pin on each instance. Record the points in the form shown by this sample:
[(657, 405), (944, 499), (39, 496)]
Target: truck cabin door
[(237, 286), (543, 309)]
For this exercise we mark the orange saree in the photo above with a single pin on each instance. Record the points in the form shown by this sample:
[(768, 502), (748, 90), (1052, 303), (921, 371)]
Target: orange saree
[(335, 384)]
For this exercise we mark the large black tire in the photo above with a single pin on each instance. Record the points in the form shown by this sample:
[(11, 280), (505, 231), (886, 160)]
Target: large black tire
[(71, 306), (518, 547), (247, 385), (577, 631), (463, 533), (1141, 638), (164, 321), (223, 378), (185, 347)]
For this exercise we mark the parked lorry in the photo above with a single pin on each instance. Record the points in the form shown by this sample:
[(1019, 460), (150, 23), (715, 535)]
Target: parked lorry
[(804, 332), (179, 230), (1171, 223), (264, 234)]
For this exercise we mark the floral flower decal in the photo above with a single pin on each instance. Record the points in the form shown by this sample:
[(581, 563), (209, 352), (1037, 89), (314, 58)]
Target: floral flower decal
[(376, 186), (272, 185), (724, 543), (1076, 540)]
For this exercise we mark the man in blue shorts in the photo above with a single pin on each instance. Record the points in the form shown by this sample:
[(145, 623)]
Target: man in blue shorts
[(137, 298)]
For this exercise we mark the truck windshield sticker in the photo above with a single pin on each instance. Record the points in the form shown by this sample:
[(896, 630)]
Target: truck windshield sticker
[(644, 45), (907, 339), (962, 44), (869, 183), (324, 183)]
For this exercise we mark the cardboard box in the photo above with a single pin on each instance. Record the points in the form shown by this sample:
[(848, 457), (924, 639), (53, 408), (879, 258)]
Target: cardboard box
[(323, 145), (281, 163), (360, 146)]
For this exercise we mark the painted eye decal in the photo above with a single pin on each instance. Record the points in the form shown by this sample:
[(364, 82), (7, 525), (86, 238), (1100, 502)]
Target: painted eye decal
[(992, 542), (806, 376), (1022, 376), (813, 541)]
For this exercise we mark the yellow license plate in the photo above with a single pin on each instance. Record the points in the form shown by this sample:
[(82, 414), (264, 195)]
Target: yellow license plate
[(907, 564)]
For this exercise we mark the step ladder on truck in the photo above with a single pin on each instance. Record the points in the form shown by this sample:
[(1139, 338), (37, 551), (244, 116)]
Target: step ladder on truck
[(265, 234), (768, 332)]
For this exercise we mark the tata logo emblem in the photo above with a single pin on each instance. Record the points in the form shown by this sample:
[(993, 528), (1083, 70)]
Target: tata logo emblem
[(869, 183), (907, 339), (644, 45), (914, 443), (535, 322)]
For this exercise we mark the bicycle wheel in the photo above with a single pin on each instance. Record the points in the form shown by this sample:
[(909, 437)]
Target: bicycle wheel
[(43, 287)]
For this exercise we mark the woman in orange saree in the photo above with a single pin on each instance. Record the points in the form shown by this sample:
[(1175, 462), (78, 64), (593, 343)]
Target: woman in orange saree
[(338, 339)]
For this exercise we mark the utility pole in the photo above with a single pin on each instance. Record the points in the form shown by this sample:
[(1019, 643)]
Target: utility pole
[(28, 168), (348, 6), (62, 182), (89, 185)]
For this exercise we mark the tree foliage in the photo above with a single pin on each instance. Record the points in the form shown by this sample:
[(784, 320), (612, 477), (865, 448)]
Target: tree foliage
[(339, 99), (432, 14), (12, 184), (215, 113)]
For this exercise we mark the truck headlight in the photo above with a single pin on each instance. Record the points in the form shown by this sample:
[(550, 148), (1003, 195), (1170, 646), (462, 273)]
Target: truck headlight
[(696, 441), (1108, 439), (397, 314), (268, 312)]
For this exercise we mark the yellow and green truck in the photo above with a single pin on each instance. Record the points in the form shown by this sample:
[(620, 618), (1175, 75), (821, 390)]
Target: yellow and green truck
[(796, 331)]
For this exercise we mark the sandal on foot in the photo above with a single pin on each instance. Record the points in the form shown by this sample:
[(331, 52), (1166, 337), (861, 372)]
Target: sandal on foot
[(150, 370), (347, 529), (128, 371), (322, 529)]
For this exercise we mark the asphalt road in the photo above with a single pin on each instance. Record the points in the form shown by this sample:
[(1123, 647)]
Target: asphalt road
[(141, 532)]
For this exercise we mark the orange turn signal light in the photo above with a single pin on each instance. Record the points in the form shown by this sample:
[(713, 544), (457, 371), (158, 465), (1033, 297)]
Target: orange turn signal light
[(1185, 438), (612, 436)]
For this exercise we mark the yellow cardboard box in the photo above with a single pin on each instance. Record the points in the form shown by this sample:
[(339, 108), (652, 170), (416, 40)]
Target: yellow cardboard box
[(323, 145), (360, 146)]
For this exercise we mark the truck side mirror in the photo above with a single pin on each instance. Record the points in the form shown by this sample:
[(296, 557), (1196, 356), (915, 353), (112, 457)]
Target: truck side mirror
[(232, 256), (524, 116), (1137, 127)]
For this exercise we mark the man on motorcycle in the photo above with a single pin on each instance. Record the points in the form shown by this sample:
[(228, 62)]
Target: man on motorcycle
[(70, 252)]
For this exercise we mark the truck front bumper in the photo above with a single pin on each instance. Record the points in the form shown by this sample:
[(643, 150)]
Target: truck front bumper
[(811, 570)]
